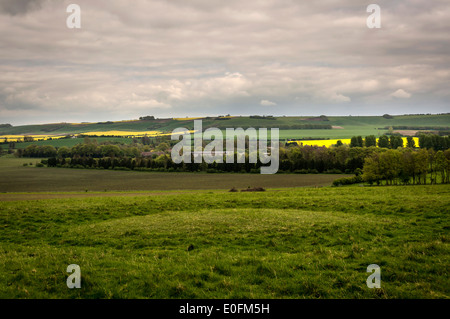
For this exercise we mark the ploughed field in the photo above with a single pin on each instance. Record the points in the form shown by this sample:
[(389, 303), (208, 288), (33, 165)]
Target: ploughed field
[(18, 178)]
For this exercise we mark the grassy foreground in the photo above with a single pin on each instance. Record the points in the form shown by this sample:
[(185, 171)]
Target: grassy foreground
[(291, 243)]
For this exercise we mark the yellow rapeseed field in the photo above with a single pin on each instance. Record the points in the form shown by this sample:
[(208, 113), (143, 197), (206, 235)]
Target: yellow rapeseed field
[(125, 133), (329, 143), (15, 138), (326, 143)]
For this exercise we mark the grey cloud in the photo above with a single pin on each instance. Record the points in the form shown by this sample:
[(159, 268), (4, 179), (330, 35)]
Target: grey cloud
[(179, 57), (19, 7)]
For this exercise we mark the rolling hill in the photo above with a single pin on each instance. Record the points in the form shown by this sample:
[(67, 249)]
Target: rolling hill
[(291, 127)]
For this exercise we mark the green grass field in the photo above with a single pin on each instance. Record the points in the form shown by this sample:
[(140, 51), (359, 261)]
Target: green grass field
[(183, 235), (283, 243), (69, 142)]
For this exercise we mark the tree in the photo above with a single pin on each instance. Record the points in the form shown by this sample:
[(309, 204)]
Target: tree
[(18, 152), (87, 140), (447, 165), (383, 141), (110, 150), (163, 147), (395, 142), (370, 140), (421, 165), (356, 141), (147, 118), (408, 166), (441, 165), (360, 141), (390, 165), (145, 140), (132, 151), (432, 165), (162, 161), (30, 151), (425, 141), (52, 161), (372, 171), (85, 149), (410, 142), (339, 143), (46, 151), (355, 159), (390, 130), (64, 152)]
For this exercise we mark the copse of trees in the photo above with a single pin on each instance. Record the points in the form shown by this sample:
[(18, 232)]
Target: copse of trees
[(36, 151), (384, 141), (433, 141), (147, 118), (281, 126), (297, 158), (427, 141), (89, 148), (264, 117), (417, 128), (407, 166)]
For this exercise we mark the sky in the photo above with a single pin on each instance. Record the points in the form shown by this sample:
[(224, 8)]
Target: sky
[(178, 58)]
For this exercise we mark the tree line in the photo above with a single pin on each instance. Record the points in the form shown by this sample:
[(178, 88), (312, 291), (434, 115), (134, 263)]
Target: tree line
[(293, 158), (427, 141), (280, 126), (370, 163), (407, 166), (90, 148)]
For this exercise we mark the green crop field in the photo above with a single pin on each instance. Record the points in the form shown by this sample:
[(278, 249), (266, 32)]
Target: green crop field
[(282, 243)]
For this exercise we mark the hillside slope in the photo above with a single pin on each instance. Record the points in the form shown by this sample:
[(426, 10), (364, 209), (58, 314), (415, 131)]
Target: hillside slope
[(342, 126)]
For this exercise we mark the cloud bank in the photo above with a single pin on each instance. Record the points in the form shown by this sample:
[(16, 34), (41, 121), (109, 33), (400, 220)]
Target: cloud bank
[(188, 58)]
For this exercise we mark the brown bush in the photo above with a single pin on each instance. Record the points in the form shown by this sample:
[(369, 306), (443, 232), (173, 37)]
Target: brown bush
[(254, 189)]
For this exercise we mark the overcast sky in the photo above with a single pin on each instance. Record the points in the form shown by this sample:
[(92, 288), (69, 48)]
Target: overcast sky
[(178, 58)]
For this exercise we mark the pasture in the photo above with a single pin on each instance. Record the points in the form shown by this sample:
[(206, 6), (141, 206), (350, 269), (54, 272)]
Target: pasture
[(282, 243), (184, 235)]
